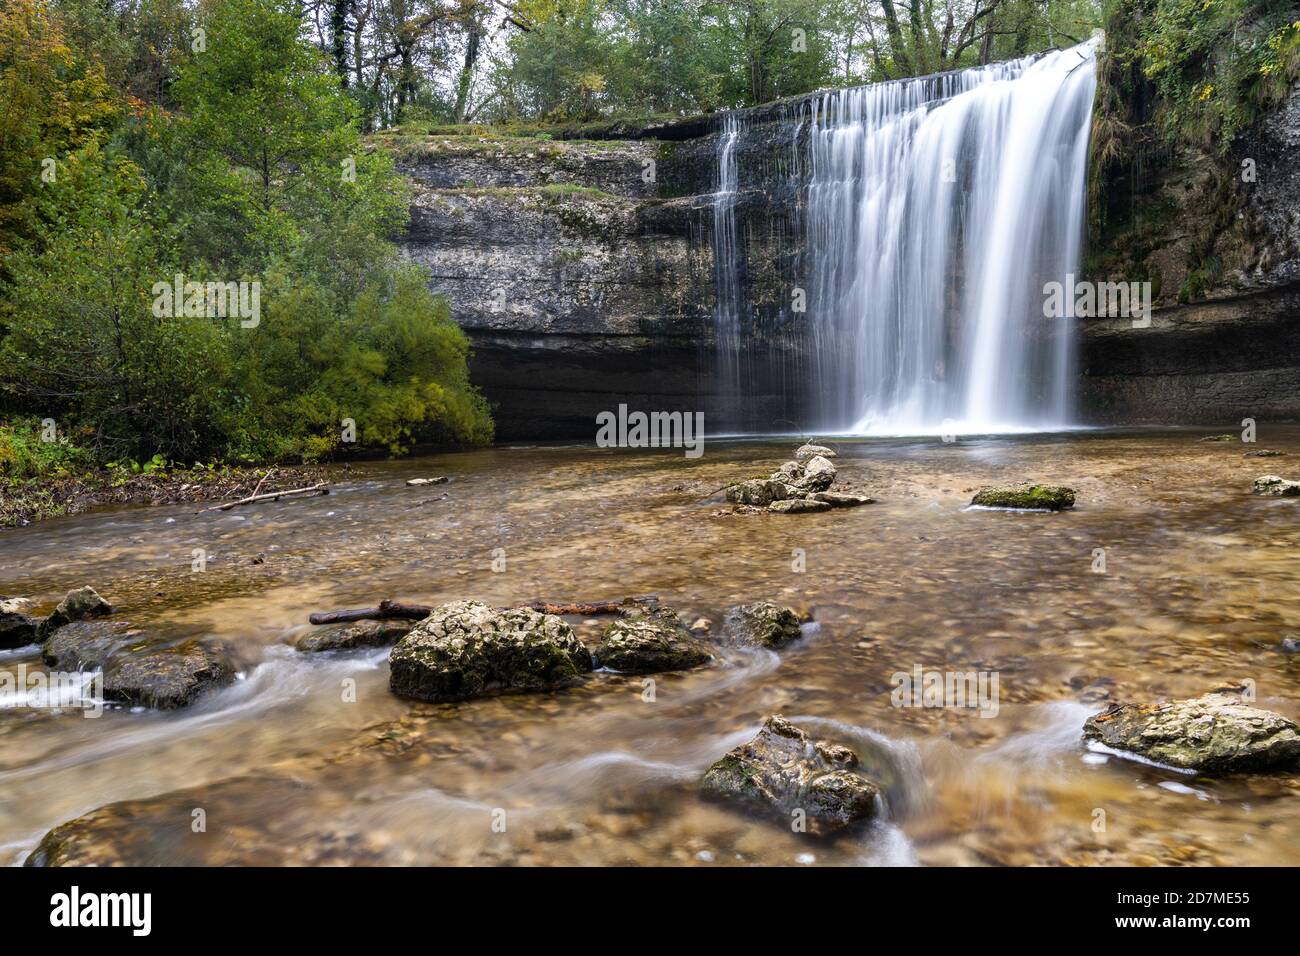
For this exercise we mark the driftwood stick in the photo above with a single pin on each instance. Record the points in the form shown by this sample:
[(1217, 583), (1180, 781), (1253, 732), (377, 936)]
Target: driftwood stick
[(387, 610), (262, 481), (589, 607), (323, 488)]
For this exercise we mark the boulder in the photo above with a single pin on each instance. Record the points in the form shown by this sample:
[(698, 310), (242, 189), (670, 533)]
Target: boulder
[(1274, 487), (78, 605), (810, 450), (782, 770), (805, 478), (16, 629), (349, 637), (796, 506), (420, 482), (1032, 497), (757, 491), (1216, 733), (841, 499), (646, 643), (137, 670), (762, 623), (465, 649)]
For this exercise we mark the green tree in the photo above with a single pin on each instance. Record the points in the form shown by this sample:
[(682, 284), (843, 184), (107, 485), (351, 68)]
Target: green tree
[(83, 341)]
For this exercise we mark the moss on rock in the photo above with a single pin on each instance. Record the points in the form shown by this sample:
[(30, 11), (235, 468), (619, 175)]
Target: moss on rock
[(762, 623), (1034, 497), (466, 649), (782, 771), (647, 643), (1216, 733)]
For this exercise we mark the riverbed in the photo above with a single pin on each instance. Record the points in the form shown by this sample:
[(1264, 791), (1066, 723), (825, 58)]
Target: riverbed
[(1168, 579)]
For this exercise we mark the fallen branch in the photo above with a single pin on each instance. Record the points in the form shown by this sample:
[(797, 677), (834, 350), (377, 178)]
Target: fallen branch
[(323, 488), (591, 607), (387, 610), (262, 481)]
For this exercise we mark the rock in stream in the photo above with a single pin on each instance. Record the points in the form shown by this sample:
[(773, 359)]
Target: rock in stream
[(466, 649), (1215, 733), (762, 623), (782, 770), (78, 605), (646, 642), (1030, 497), (138, 670)]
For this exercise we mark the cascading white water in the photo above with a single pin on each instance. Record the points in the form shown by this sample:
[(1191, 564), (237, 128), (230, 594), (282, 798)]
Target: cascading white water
[(937, 209), (726, 258)]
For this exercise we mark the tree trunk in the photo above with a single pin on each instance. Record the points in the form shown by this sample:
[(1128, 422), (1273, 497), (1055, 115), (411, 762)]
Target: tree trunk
[(472, 42), (339, 35), (896, 48)]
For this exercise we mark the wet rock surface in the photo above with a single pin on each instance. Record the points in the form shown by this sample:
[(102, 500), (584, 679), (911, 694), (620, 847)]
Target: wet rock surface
[(811, 450), (16, 629), (1028, 497), (1274, 486), (782, 770), (138, 669), (348, 637), (1216, 733), (759, 492), (78, 605), (762, 623), (466, 649), (842, 499), (647, 643), (798, 506)]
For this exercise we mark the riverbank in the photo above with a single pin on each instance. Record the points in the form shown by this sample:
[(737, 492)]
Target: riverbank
[(28, 500)]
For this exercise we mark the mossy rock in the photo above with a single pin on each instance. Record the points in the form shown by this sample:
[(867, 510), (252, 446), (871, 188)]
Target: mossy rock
[(1028, 497), (782, 771), (78, 605), (762, 623), (1216, 733), (648, 643), (466, 649)]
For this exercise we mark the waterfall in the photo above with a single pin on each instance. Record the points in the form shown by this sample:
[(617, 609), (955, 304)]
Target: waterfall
[(726, 264), (936, 210)]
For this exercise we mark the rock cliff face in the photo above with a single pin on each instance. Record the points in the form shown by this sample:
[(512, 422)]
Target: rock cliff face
[(583, 272), (1218, 237)]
